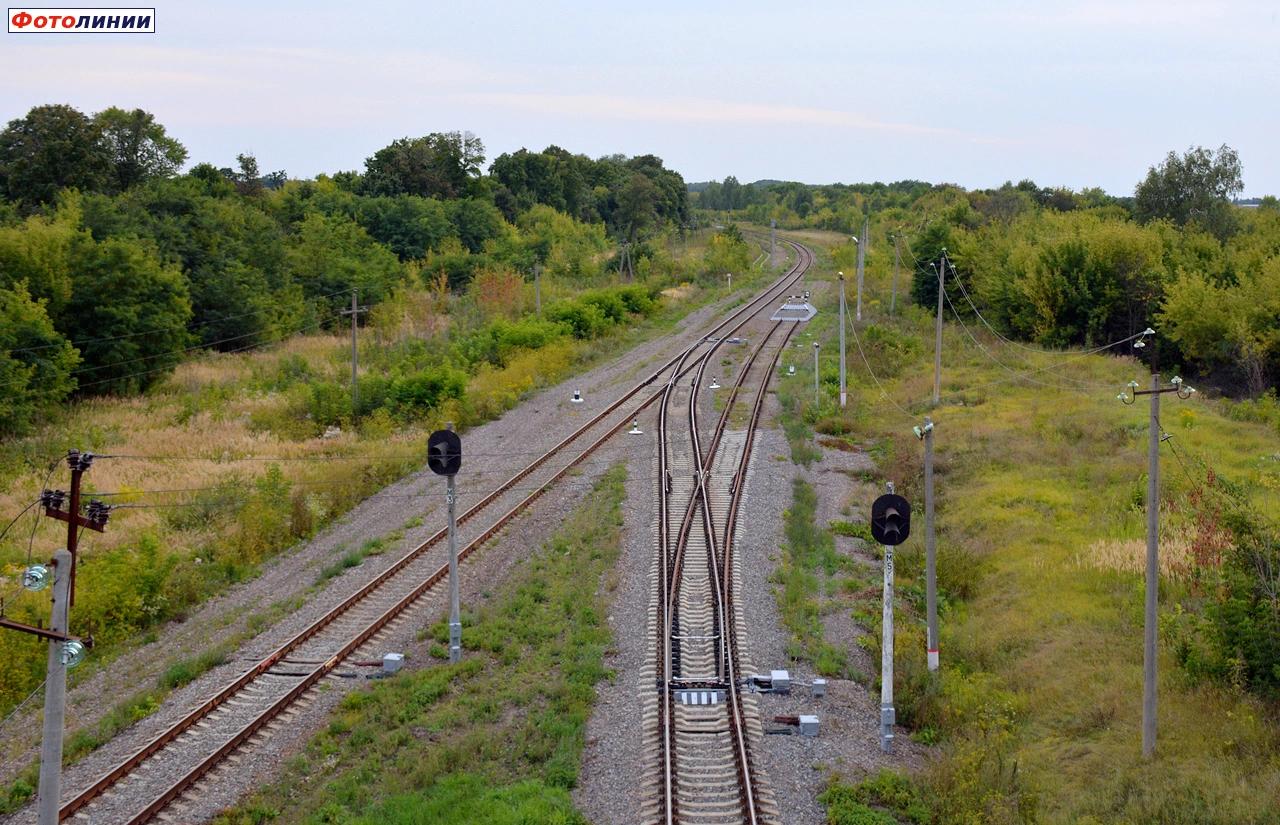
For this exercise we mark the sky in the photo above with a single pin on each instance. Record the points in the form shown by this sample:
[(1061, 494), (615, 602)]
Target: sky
[(1075, 94)]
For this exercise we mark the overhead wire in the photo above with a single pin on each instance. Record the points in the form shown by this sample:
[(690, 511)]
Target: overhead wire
[(867, 363), (127, 335)]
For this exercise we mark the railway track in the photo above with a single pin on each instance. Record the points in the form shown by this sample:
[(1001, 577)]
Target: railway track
[(161, 778), (702, 722)]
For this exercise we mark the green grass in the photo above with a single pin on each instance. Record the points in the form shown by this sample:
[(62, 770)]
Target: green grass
[(496, 738), (1037, 707), (809, 582)]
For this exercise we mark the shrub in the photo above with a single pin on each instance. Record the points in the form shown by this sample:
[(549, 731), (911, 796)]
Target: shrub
[(410, 396), (586, 320)]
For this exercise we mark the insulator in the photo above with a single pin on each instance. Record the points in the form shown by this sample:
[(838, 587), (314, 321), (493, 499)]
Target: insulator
[(36, 578)]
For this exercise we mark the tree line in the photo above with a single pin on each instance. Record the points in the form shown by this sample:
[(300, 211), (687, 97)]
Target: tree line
[(1077, 268), (114, 265)]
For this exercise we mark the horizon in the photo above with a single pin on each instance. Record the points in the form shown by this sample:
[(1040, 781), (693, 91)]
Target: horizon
[(1089, 95)]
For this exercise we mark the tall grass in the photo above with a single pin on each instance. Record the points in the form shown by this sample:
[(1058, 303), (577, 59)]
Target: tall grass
[(1041, 511)]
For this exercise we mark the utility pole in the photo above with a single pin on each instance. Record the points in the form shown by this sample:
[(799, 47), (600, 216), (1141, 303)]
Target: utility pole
[(537, 288), (816, 347), (862, 258), (773, 240), (897, 257), (55, 694), (843, 388), (937, 337), (354, 312), (925, 434), (1153, 551)]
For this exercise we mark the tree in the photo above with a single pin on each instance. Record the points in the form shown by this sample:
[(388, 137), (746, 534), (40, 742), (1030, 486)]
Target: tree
[(35, 361), (437, 165), (52, 148), (131, 311), (332, 254), (137, 147), (638, 206), (1194, 188)]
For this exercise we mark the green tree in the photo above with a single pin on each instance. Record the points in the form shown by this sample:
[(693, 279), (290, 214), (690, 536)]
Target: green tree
[(35, 361), (138, 147), (437, 165), (1194, 187), (129, 310), (37, 255), (50, 149), (330, 255)]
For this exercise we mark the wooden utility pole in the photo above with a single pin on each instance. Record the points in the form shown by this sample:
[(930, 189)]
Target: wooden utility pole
[(537, 288)]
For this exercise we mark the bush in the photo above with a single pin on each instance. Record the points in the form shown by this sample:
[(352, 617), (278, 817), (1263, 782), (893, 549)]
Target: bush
[(586, 320), (527, 333), (410, 396)]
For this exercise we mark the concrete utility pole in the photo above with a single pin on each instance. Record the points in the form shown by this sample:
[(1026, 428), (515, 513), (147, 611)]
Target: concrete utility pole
[(55, 693), (843, 389), (893, 300), (887, 713), (930, 549), (816, 347), (773, 240), (1150, 626), (1153, 576), (937, 338), (355, 312), (862, 258)]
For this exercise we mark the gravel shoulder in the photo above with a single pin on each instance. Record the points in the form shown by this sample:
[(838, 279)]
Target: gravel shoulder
[(796, 768)]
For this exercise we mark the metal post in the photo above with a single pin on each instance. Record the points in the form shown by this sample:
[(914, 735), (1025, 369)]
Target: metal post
[(862, 258), (937, 338), (355, 353), (55, 694), (843, 388), (930, 551), (893, 300), (455, 617), (537, 288), (1153, 576), (886, 652), (816, 396)]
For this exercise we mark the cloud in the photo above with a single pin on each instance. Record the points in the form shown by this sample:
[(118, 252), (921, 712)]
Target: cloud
[(703, 111)]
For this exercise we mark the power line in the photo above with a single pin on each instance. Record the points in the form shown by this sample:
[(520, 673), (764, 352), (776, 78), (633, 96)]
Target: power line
[(160, 329), (1016, 375), (263, 343), (858, 342)]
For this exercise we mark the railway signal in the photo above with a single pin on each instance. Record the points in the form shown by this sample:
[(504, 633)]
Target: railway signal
[(890, 525), (444, 457)]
